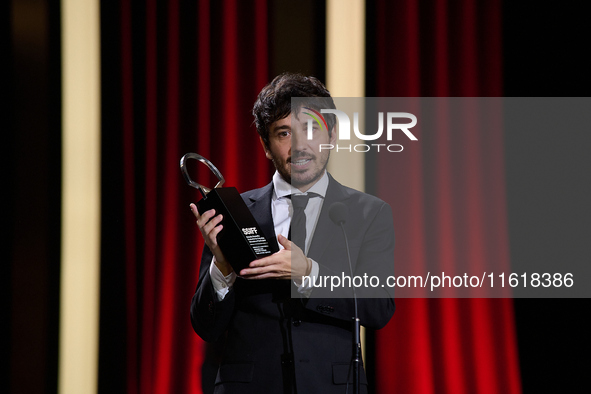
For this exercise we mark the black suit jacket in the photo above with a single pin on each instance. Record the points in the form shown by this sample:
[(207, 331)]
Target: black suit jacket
[(273, 340)]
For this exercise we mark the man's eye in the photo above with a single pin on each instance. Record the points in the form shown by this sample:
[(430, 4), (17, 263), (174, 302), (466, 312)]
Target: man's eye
[(283, 134)]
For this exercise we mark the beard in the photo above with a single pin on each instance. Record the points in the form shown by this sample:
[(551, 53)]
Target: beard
[(284, 169), (301, 178)]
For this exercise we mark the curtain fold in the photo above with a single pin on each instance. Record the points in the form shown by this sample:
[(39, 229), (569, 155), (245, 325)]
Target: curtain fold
[(189, 77), (189, 74), (448, 202)]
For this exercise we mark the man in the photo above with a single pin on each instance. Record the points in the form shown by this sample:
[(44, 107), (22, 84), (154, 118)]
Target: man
[(276, 342)]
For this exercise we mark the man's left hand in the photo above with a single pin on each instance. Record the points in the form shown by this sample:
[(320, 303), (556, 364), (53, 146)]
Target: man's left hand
[(288, 263)]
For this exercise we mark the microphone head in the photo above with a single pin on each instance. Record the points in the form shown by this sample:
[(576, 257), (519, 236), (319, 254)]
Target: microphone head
[(338, 213)]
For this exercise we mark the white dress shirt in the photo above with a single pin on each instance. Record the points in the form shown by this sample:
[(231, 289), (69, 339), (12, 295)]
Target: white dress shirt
[(282, 213)]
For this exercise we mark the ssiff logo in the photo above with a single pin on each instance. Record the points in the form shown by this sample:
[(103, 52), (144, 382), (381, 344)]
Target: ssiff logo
[(345, 129)]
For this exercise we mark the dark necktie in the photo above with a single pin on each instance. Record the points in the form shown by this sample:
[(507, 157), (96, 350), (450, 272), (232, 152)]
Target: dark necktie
[(297, 230)]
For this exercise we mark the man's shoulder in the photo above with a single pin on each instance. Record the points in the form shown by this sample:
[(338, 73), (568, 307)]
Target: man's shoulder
[(352, 195), (255, 194), (355, 196)]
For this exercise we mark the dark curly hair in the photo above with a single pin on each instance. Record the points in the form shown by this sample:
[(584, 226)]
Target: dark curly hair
[(274, 101)]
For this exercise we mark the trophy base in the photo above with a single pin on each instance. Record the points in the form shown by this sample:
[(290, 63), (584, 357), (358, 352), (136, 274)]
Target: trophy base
[(241, 240)]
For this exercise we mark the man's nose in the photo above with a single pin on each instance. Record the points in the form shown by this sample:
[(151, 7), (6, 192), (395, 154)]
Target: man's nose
[(298, 140)]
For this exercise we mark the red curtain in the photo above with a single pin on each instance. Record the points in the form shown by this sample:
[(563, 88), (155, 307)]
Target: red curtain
[(445, 49), (190, 72)]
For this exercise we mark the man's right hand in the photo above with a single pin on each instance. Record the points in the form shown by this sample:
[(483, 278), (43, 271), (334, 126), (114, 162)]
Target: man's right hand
[(209, 230)]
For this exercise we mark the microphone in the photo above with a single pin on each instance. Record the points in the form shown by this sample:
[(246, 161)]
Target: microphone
[(339, 213)]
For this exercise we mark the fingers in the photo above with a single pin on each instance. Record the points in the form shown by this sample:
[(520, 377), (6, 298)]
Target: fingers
[(212, 226), (195, 212), (267, 275), (208, 224), (259, 266), (212, 229), (261, 272), (276, 266), (263, 262), (201, 219), (286, 243)]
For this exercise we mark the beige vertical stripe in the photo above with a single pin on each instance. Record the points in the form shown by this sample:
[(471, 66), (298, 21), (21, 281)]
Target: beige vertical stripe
[(345, 77), (79, 297), (345, 49)]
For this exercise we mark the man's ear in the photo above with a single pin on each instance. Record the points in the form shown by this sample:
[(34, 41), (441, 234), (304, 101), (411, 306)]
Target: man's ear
[(333, 135), (267, 152)]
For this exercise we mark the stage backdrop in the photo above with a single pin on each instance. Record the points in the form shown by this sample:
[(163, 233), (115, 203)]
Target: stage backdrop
[(442, 210), (183, 79), (182, 76)]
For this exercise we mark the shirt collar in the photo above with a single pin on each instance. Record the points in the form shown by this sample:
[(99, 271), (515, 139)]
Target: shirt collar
[(281, 188)]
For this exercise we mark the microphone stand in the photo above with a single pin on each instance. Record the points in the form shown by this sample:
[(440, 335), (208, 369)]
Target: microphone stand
[(356, 324)]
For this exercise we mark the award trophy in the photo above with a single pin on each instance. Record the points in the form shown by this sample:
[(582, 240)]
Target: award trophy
[(241, 240)]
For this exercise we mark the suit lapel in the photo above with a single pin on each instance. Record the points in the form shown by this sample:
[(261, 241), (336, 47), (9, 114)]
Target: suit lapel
[(260, 205), (326, 229)]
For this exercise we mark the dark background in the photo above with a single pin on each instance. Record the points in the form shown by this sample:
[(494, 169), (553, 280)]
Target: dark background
[(548, 189)]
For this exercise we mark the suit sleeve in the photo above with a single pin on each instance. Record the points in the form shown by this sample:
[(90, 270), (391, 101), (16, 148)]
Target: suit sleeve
[(375, 258), (210, 316)]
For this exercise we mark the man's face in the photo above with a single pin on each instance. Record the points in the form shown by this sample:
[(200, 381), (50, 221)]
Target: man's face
[(298, 159)]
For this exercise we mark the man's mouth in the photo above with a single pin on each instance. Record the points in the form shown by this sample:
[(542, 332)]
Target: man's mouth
[(300, 162)]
